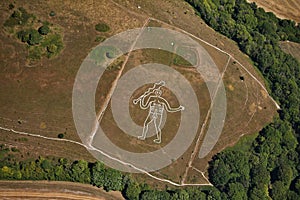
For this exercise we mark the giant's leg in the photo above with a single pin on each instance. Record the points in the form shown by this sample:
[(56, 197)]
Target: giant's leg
[(148, 120), (157, 124)]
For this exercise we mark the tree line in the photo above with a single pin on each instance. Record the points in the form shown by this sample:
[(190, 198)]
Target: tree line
[(94, 173)]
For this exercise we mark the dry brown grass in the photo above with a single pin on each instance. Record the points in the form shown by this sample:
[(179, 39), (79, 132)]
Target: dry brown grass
[(291, 48), (289, 9)]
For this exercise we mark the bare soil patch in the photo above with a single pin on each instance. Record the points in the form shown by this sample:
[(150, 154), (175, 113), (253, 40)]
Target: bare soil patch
[(54, 190)]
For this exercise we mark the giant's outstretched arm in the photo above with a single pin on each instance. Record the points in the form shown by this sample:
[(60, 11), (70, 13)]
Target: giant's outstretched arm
[(168, 107)]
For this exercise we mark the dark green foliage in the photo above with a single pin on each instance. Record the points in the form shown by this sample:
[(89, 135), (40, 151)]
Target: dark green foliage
[(34, 38), (113, 180), (80, 172), (53, 44), (23, 35), (11, 6), (181, 195), (195, 193), (155, 195), (97, 174), (102, 27), (110, 179), (132, 191), (278, 191), (52, 14), (18, 17), (44, 30), (60, 135), (230, 166)]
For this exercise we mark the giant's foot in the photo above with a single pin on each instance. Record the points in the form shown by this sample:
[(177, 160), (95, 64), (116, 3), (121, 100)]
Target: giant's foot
[(141, 137), (158, 141)]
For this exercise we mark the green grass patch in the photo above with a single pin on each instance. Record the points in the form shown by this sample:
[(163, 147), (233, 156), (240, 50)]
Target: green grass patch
[(103, 53), (182, 53)]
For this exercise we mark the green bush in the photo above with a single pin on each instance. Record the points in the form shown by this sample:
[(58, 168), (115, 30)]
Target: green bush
[(18, 17), (11, 6), (35, 53), (44, 30), (34, 37), (52, 14), (52, 48), (23, 35), (102, 27), (53, 44), (61, 135)]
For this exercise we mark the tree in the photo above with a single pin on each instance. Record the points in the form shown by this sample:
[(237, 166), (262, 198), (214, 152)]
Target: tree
[(219, 172), (236, 191), (195, 193), (132, 191), (259, 193), (297, 185), (278, 191), (97, 174), (113, 180), (80, 172), (155, 195), (284, 174), (260, 175), (180, 194)]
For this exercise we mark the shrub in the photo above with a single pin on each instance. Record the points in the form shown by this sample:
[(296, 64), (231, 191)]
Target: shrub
[(52, 48), (44, 30), (35, 53), (23, 35), (61, 135), (18, 17), (53, 44), (52, 14), (34, 37), (11, 6), (102, 27)]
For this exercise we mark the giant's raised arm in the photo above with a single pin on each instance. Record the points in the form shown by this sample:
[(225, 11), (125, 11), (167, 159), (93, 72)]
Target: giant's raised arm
[(144, 105)]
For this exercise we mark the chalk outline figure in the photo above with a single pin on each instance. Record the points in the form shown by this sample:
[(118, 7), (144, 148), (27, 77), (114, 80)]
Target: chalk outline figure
[(157, 106)]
